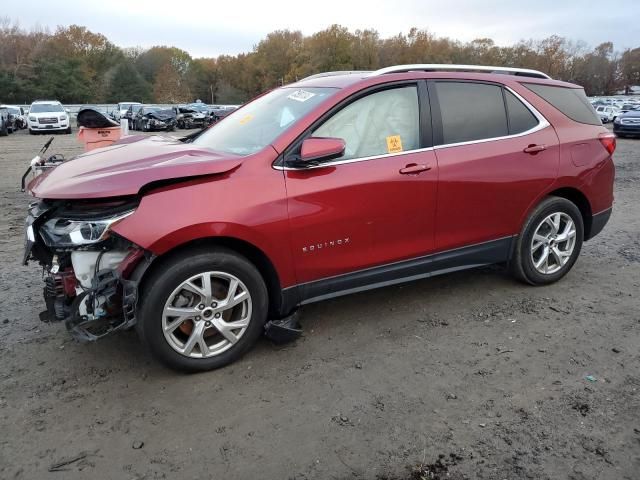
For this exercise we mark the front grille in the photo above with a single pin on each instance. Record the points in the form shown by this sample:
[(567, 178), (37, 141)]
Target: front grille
[(630, 121), (48, 120)]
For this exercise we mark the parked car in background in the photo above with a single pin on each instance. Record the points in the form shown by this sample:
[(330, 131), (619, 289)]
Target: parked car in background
[(48, 116), (627, 124), (628, 107), (5, 128), (219, 112), (335, 184), (19, 117), (607, 113), (121, 110), (131, 112), (152, 118), (193, 115)]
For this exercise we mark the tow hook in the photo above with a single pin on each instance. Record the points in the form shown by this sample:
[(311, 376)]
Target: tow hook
[(285, 330)]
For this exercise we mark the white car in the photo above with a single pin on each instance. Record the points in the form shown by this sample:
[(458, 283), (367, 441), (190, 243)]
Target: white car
[(606, 113), (121, 109), (48, 116)]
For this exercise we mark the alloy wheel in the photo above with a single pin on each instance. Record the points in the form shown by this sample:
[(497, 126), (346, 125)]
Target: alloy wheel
[(206, 314), (553, 242)]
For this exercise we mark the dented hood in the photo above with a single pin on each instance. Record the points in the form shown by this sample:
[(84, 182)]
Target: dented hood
[(127, 166)]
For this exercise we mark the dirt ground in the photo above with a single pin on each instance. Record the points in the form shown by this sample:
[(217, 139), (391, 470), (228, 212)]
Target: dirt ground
[(466, 376)]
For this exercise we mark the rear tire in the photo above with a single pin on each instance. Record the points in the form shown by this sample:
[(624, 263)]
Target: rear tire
[(4, 131), (172, 287), (550, 242)]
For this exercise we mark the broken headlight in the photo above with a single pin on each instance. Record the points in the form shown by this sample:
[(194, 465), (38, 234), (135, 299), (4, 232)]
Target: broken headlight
[(68, 232)]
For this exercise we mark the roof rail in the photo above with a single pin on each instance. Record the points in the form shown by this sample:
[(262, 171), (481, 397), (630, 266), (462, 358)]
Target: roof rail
[(333, 74), (433, 67)]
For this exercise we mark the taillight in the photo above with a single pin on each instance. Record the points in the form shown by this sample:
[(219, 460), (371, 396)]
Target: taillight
[(608, 141)]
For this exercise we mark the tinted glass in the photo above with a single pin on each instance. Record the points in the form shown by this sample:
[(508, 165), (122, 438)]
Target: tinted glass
[(571, 101), (260, 122), (520, 117), (380, 123), (471, 111)]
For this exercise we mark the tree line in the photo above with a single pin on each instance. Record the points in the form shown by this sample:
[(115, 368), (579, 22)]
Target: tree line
[(74, 65)]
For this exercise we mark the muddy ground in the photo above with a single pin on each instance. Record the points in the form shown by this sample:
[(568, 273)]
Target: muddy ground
[(466, 376)]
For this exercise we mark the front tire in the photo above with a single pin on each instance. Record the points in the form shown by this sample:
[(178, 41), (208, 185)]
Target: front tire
[(550, 242), (203, 310)]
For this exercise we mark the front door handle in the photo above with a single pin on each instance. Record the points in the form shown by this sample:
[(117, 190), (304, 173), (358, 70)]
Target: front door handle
[(533, 149), (414, 168)]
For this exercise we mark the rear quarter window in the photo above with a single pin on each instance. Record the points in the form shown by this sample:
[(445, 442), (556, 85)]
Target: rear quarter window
[(520, 117), (572, 102)]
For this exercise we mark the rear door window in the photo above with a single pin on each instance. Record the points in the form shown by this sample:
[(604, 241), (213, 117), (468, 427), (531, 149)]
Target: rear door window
[(471, 111), (570, 101)]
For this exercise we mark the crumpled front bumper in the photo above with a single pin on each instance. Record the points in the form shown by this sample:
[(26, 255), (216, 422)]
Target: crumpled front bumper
[(95, 292)]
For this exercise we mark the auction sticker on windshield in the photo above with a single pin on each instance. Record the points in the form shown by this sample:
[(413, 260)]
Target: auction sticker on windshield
[(301, 95)]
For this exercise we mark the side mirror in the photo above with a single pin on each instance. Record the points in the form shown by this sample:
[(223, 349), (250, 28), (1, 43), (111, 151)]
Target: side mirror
[(321, 149)]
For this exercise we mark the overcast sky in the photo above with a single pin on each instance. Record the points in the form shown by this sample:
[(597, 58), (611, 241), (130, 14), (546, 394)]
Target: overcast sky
[(211, 28)]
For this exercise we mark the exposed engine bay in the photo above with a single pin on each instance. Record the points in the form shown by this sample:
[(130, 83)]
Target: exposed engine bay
[(86, 267)]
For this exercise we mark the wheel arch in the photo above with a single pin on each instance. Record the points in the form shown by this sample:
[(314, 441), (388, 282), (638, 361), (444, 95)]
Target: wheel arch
[(581, 201), (575, 196), (252, 253)]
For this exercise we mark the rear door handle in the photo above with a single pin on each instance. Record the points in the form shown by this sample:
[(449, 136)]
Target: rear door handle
[(414, 168), (533, 149)]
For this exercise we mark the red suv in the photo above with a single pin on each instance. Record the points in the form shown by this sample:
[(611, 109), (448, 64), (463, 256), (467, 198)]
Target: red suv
[(338, 183)]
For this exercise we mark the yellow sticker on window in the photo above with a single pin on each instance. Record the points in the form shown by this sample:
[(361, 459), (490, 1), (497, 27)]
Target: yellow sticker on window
[(246, 119), (394, 144)]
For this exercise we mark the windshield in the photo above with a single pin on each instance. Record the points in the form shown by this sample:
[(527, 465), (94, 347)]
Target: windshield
[(201, 107), (14, 110), (124, 106), (46, 107), (260, 122)]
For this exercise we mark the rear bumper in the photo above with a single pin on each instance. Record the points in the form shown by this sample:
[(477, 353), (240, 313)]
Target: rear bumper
[(598, 222)]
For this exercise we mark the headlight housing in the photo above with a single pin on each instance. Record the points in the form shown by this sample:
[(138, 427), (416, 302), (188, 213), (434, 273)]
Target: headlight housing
[(71, 232), (33, 119)]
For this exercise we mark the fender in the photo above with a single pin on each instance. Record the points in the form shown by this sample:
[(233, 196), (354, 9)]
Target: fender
[(242, 204)]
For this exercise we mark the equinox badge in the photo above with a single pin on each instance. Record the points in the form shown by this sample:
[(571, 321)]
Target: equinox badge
[(328, 244)]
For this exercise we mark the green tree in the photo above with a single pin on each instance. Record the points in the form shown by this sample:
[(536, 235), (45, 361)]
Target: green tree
[(126, 84)]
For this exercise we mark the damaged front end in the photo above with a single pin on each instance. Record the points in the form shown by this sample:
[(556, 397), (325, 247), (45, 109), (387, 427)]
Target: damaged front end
[(159, 120), (87, 268)]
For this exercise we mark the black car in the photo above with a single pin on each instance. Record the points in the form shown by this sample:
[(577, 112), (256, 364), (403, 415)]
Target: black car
[(218, 113), (627, 124), (17, 118), (194, 115), (152, 118), (131, 113), (629, 107), (7, 122)]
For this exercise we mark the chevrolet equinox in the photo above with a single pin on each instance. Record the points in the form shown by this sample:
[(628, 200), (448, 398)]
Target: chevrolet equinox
[(341, 182)]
